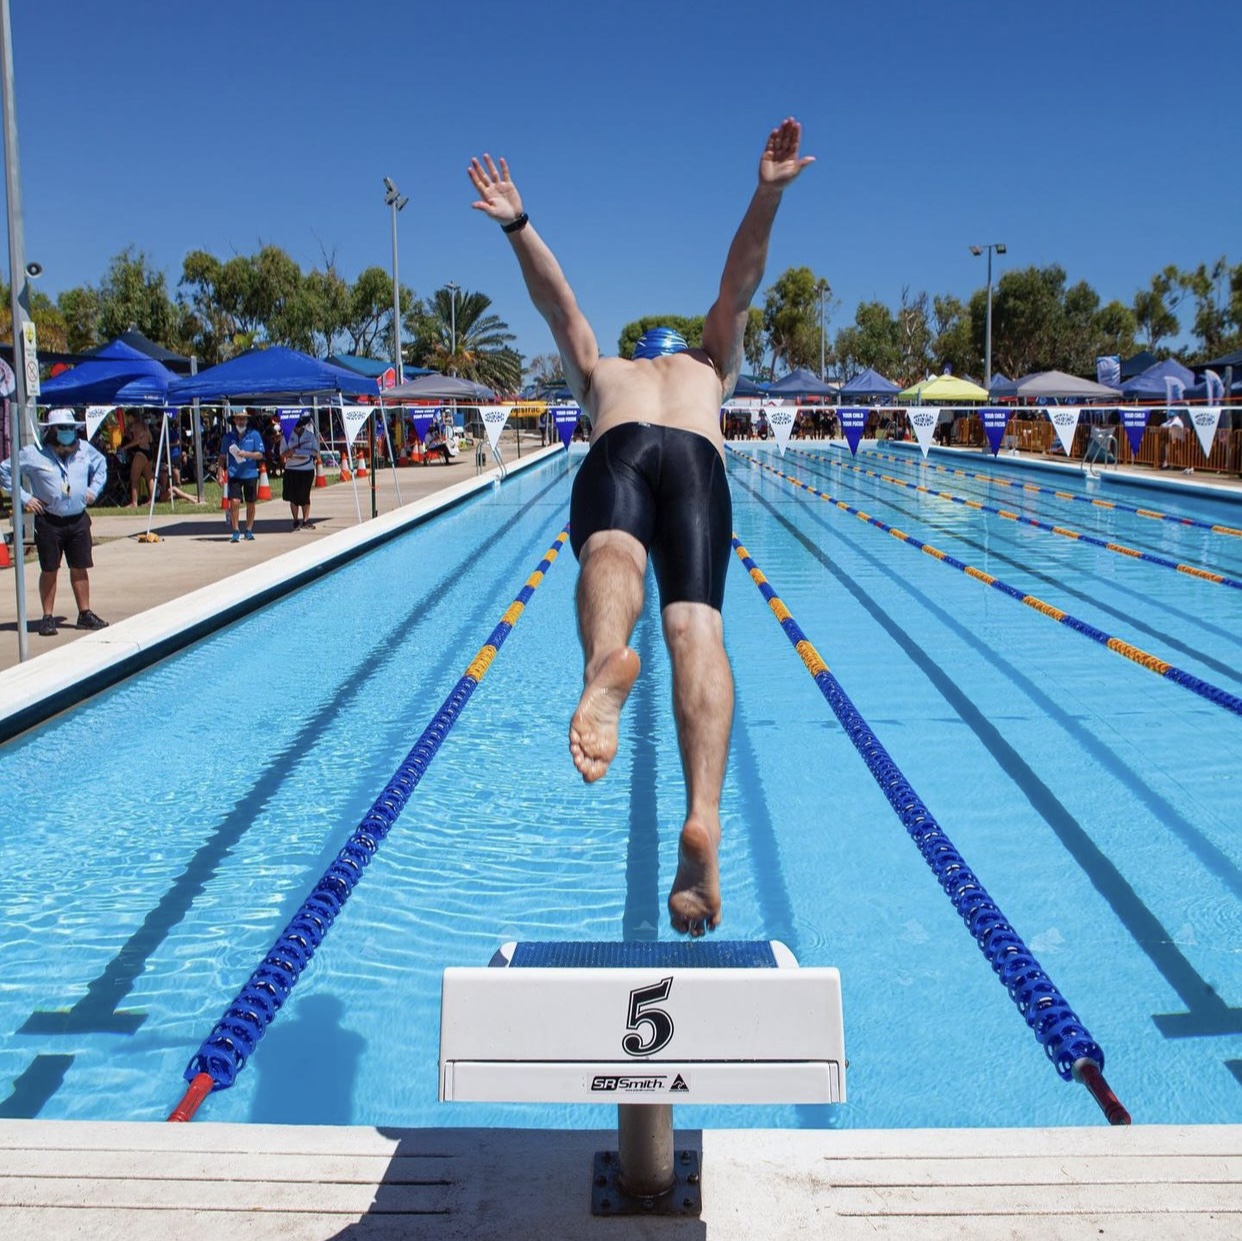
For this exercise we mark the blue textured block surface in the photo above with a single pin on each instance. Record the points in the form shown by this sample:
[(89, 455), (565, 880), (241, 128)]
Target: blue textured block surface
[(675, 954)]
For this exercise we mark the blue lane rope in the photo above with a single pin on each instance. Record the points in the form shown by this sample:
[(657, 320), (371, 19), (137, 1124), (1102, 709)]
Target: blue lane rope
[(1057, 1028), (226, 1049), (1154, 514), (1153, 663), (1064, 532)]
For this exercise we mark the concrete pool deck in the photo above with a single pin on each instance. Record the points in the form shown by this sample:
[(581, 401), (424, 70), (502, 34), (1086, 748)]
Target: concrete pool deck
[(199, 1180)]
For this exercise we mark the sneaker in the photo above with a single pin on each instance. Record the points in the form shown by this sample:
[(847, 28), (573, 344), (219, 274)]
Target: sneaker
[(88, 620), (235, 537), (296, 523), (47, 627), (249, 536)]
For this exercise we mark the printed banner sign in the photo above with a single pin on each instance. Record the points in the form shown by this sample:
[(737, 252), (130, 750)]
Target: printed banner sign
[(8, 381), (422, 422), (355, 418), (289, 415), (1174, 389), (1064, 419), (781, 420), (95, 414), (923, 419), (565, 419), (387, 380), (853, 424), (494, 419), (995, 419), (1135, 423), (1205, 421)]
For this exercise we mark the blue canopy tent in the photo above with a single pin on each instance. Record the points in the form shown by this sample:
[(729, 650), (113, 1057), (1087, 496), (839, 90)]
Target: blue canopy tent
[(115, 374), (1149, 385), (372, 367), (272, 374), (802, 382), (869, 383), (746, 386), (1130, 367), (1002, 385)]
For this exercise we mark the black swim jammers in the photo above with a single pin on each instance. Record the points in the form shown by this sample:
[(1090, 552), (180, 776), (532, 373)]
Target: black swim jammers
[(668, 488)]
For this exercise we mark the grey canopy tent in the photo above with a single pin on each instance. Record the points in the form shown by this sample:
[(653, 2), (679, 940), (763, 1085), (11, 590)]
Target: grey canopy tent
[(436, 387), (1057, 384)]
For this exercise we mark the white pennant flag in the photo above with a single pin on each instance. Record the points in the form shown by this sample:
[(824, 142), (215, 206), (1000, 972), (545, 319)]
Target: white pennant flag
[(781, 420), (1065, 423), (355, 418), (95, 414), (923, 419), (1206, 420), (494, 419)]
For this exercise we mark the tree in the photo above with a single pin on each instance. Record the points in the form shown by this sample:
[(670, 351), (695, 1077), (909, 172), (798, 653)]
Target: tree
[(79, 308), (952, 345), (135, 295), (1211, 323), (914, 339), (1154, 307), (370, 304), (754, 343), (328, 296), (873, 341), (50, 326), (791, 318), (459, 337), (543, 368)]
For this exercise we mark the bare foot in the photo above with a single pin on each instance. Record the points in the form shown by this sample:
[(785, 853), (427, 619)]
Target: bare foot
[(694, 902), (593, 730)]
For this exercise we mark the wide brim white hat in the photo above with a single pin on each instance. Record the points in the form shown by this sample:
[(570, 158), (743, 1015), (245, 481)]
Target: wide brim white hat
[(62, 418)]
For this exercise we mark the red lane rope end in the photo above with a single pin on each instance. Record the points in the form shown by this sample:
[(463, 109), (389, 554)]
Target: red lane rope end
[(200, 1088), (1088, 1072)]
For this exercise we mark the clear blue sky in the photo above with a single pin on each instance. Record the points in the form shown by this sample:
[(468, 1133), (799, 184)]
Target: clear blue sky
[(1096, 134)]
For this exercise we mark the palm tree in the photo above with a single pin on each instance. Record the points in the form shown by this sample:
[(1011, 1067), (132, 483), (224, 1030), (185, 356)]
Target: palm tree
[(460, 338)]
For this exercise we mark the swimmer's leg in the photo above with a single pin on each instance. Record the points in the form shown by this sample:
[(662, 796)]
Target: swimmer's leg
[(610, 598), (703, 709)]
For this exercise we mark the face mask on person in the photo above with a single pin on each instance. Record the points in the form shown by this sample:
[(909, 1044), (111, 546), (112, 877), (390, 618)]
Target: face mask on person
[(66, 436)]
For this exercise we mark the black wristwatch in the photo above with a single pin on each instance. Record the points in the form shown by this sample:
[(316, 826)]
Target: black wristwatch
[(516, 226)]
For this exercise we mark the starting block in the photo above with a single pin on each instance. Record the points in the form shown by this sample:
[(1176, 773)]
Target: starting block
[(643, 1025)]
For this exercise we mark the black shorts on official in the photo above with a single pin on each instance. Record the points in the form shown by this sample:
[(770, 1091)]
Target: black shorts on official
[(246, 489), (67, 536), (296, 486)]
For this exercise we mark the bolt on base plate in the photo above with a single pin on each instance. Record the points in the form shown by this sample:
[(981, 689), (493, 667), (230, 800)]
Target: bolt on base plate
[(683, 1198)]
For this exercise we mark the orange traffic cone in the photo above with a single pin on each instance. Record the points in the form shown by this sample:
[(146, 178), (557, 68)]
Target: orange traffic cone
[(224, 499), (346, 475), (362, 467), (6, 561), (265, 484), (321, 479)]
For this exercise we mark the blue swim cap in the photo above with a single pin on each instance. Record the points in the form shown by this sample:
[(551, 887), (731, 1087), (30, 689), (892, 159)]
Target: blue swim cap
[(656, 342)]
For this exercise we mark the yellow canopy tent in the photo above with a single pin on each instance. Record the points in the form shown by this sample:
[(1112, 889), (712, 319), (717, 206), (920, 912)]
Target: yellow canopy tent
[(945, 388)]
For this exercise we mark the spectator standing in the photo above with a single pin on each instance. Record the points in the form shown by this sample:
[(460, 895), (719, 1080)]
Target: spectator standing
[(62, 477), (140, 449), (241, 452), (300, 454)]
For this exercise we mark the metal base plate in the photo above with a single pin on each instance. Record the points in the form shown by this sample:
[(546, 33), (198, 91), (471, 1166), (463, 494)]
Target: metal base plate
[(685, 1198)]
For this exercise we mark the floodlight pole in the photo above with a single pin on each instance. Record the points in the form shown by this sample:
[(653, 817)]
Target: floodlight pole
[(999, 247), (396, 201), (19, 292), (452, 288)]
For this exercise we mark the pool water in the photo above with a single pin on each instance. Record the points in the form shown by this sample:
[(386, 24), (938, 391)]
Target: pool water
[(159, 837)]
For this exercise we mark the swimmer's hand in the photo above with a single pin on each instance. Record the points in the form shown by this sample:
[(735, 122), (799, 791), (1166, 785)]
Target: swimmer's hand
[(779, 165), (498, 196)]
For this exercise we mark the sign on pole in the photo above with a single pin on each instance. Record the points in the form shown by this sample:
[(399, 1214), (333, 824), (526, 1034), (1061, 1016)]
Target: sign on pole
[(30, 352)]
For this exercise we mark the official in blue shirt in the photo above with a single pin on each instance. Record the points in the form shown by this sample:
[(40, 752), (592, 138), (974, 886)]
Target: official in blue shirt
[(61, 478), (240, 453)]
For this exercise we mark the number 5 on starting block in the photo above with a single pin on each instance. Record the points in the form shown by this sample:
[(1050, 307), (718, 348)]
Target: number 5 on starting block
[(676, 1022)]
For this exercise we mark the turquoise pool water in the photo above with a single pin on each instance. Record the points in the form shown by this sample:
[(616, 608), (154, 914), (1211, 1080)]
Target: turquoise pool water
[(158, 838)]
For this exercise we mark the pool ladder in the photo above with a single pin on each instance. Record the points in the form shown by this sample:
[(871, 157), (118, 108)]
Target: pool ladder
[(481, 447), (1101, 448)]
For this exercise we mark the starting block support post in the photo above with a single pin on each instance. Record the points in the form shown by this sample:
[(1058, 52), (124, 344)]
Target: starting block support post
[(643, 1025)]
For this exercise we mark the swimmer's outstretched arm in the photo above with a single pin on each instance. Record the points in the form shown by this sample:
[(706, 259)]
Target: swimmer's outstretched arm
[(725, 326), (545, 282)]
